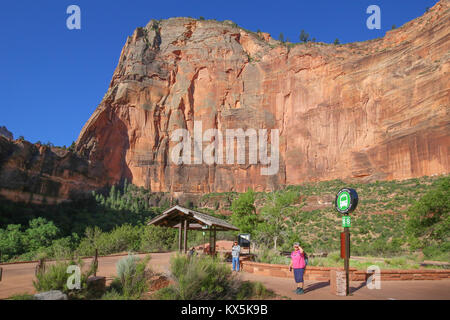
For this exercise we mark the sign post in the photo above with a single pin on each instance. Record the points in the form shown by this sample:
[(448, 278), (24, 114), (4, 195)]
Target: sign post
[(345, 202)]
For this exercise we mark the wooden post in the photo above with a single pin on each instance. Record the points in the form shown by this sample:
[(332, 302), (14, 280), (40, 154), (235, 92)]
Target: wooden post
[(185, 234), (214, 242), (210, 241), (180, 234), (40, 267), (95, 262)]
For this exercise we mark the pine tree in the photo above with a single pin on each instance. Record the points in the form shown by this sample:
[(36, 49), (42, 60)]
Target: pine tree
[(304, 37)]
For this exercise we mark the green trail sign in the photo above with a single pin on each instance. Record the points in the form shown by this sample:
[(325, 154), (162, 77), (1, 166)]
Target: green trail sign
[(346, 223), (346, 200)]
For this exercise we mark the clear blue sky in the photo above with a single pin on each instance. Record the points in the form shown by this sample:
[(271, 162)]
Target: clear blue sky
[(52, 78)]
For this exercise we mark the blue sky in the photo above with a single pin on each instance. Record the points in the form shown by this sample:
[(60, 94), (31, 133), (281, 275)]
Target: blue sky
[(53, 78)]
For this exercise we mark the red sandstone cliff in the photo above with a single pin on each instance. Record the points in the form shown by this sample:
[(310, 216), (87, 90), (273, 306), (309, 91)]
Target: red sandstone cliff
[(372, 110), (41, 174)]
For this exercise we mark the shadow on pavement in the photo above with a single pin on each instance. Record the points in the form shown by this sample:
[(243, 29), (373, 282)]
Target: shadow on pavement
[(354, 289), (316, 286)]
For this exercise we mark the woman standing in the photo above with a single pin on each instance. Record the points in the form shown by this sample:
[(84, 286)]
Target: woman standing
[(298, 264)]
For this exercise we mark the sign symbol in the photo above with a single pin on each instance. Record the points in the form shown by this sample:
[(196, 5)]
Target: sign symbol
[(346, 200)]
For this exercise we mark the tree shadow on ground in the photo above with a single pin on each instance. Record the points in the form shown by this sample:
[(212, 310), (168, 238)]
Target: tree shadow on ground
[(316, 286)]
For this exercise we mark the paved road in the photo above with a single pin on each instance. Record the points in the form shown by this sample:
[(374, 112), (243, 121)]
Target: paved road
[(393, 290), (18, 279)]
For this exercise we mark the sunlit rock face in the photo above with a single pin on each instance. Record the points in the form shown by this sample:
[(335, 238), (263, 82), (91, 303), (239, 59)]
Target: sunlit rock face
[(371, 110)]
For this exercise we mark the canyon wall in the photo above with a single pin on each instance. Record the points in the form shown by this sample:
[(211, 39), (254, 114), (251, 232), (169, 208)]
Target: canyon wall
[(370, 110), (38, 173)]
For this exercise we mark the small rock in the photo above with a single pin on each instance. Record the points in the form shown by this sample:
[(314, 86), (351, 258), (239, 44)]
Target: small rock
[(50, 295)]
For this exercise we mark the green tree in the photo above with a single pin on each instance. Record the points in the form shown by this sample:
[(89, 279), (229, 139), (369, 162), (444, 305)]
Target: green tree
[(11, 242), (281, 37), (244, 212), (274, 214), (429, 217), (336, 41), (40, 234), (304, 37)]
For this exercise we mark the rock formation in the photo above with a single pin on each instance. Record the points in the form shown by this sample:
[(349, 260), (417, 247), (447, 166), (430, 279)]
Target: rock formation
[(4, 132), (42, 174), (371, 110)]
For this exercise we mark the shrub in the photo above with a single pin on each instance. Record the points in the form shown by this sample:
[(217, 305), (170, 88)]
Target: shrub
[(120, 239), (24, 296), (199, 278), (55, 277), (271, 256), (429, 217), (154, 238), (205, 277), (132, 274), (253, 290), (113, 294)]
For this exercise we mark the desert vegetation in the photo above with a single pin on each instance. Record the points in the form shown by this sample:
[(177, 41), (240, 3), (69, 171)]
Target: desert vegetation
[(207, 278)]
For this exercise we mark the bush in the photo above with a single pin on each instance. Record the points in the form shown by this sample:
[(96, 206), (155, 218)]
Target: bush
[(207, 278), (200, 278), (123, 238), (271, 256), (132, 275), (113, 294), (429, 217), (24, 296), (154, 239), (55, 277), (253, 290)]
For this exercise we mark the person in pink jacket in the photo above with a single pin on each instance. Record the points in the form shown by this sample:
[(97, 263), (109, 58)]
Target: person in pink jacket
[(298, 264)]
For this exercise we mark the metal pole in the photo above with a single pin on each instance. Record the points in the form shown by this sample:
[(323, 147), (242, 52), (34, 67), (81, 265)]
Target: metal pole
[(347, 260)]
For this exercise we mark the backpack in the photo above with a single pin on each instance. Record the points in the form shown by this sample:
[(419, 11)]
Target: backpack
[(305, 256)]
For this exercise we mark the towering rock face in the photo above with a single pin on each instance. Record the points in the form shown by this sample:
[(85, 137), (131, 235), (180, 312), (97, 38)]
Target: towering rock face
[(372, 110)]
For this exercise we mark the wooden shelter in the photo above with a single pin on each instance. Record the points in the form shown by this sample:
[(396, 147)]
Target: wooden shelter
[(187, 219)]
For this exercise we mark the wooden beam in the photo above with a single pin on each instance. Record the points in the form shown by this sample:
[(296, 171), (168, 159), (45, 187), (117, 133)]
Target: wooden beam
[(186, 223), (214, 240), (180, 232), (210, 242)]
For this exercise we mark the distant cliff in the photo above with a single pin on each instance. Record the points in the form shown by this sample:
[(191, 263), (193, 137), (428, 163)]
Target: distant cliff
[(4, 132), (41, 174), (370, 110)]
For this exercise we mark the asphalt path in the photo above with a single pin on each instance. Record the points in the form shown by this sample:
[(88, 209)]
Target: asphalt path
[(18, 279)]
